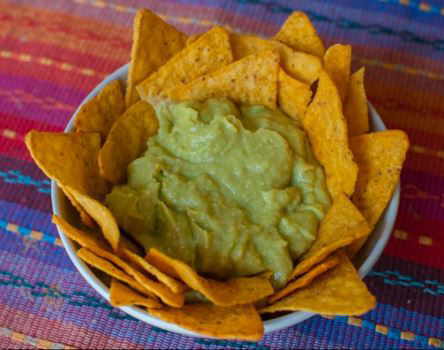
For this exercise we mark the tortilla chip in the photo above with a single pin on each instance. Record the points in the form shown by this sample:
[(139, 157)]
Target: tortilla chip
[(121, 295), (299, 33), (175, 286), (207, 54), (84, 217), (327, 130), (69, 159), (380, 157), (154, 43), (342, 225), (240, 322), (337, 62), (251, 80), (305, 279), (235, 291), (293, 96), (339, 291), (99, 114), (126, 141), (356, 107)]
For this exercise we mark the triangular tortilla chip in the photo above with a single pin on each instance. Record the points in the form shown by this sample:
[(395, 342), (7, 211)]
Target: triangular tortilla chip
[(236, 291), (356, 107), (207, 54), (337, 62), (99, 114), (121, 295), (69, 159), (84, 217), (380, 156), (327, 130), (342, 225), (339, 291), (154, 43), (299, 33), (293, 96), (251, 80), (240, 322), (126, 141), (305, 279)]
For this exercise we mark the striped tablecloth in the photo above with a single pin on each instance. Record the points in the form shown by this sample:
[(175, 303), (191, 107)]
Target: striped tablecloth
[(53, 52)]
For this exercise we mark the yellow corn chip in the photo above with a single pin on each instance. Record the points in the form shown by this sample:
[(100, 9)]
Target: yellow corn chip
[(235, 291), (293, 96), (69, 159), (380, 157), (356, 108), (126, 141), (192, 38), (305, 279), (337, 62), (299, 33), (240, 322), (99, 114), (175, 286), (339, 291), (342, 225), (121, 295), (251, 80), (327, 130), (84, 217), (154, 43), (207, 54)]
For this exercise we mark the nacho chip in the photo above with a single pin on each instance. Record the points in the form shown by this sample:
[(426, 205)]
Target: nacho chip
[(235, 291), (154, 43), (69, 159), (299, 33), (126, 141), (342, 225), (84, 217), (356, 107), (99, 114), (339, 291), (337, 62), (293, 96), (251, 80), (121, 295), (380, 156), (327, 130), (305, 279), (240, 322), (207, 54)]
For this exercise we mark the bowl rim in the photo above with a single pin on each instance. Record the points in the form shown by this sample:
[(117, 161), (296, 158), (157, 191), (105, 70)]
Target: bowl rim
[(367, 258)]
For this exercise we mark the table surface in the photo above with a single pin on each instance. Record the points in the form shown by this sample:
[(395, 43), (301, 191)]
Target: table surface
[(52, 53)]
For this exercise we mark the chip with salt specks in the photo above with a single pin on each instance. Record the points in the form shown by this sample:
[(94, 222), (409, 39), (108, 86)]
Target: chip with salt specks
[(293, 96), (251, 80), (305, 279), (154, 43), (337, 62), (356, 107), (342, 225), (241, 322), (69, 159), (235, 291), (121, 295), (380, 156), (299, 33), (326, 127), (126, 141), (99, 114), (207, 54), (339, 291)]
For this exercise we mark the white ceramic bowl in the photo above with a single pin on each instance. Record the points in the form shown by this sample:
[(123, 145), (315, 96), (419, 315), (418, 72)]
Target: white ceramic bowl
[(365, 260)]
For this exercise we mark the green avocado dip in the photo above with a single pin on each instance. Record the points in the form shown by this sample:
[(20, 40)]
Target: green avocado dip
[(232, 191)]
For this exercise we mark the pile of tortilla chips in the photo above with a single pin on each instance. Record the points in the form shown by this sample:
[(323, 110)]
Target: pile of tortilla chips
[(362, 169)]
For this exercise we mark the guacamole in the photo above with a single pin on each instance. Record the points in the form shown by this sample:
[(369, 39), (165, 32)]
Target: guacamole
[(232, 191)]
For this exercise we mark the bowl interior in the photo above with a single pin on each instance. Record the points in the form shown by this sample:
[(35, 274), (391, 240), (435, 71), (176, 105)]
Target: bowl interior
[(364, 260)]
